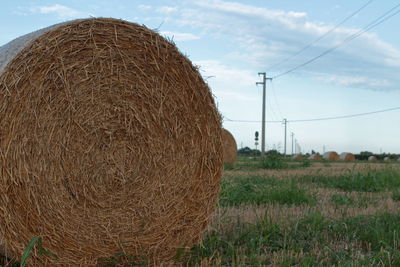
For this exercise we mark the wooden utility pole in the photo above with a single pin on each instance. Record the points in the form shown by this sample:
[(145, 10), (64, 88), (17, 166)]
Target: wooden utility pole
[(264, 82), (292, 134), (284, 147)]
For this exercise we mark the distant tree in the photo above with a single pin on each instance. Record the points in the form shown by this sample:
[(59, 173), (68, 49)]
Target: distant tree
[(273, 152), (364, 155), (245, 151)]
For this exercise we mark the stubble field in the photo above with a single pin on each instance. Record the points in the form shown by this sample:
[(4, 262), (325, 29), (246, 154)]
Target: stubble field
[(305, 214)]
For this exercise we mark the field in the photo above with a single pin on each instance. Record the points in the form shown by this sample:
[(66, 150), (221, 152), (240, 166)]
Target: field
[(305, 214), (284, 213)]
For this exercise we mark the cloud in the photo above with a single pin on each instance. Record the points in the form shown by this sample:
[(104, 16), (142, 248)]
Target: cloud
[(144, 7), (57, 9), (221, 74), (167, 10), (180, 36), (356, 81), (228, 95), (228, 83), (263, 37)]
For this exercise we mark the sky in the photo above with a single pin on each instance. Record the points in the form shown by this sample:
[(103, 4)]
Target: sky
[(232, 41)]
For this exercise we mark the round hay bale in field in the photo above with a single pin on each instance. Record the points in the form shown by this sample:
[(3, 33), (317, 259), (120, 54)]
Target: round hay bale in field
[(315, 157), (331, 155), (372, 158), (346, 156), (386, 159), (110, 143), (229, 147), (297, 157)]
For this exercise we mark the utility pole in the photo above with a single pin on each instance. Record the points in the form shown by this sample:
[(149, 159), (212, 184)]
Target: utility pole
[(264, 78), (292, 134), (284, 146)]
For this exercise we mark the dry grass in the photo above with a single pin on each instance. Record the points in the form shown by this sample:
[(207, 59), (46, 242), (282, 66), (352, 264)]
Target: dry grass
[(317, 168), (380, 201)]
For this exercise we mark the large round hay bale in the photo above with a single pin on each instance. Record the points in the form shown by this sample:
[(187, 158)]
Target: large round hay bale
[(386, 159), (372, 158), (331, 155), (347, 156), (229, 147), (110, 142), (315, 157), (297, 157)]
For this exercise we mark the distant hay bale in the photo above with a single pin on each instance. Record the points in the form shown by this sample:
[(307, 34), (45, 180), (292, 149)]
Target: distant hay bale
[(297, 157), (110, 142), (386, 159), (346, 156), (315, 157), (331, 155), (229, 147), (372, 158)]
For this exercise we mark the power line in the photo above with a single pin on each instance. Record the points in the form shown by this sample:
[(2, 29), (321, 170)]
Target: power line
[(274, 115), (250, 121), (322, 119), (276, 100), (347, 116), (370, 26), (322, 36)]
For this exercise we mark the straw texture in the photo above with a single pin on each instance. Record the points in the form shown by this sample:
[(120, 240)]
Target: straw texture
[(110, 142), (297, 157), (315, 157), (347, 156), (331, 155), (229, 147)]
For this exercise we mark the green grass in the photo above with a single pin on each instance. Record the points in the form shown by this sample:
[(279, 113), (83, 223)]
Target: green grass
[(371, 240), (372, 181), (245, 164), (396, 194), (342, 199), (268, 162), (260, 190), (228, 166), (273, 162), (314, 240)]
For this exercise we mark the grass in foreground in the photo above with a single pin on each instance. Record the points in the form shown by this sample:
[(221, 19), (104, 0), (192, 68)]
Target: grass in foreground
[(371, 240)]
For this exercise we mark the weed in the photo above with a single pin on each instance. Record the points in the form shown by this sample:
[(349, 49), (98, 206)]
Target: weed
[(341, 199), (35, 241), (273, 161), (396, 195), (306, 163)]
